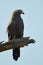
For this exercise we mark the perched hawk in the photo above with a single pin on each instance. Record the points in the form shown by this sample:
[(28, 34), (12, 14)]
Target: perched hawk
[(15, 30)]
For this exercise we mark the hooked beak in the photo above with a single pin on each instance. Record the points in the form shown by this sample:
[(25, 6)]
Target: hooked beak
[(22, 12)]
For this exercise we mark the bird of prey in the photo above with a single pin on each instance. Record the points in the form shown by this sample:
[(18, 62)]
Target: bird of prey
[(15, 30)]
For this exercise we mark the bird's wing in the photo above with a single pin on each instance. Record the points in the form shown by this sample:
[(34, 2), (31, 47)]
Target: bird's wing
[(13, 29)]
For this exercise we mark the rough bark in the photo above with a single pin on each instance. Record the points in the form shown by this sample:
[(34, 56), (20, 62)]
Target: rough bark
[(15, 43)]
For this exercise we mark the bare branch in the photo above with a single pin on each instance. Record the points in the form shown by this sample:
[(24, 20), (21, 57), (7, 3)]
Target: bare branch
[(15, 43)]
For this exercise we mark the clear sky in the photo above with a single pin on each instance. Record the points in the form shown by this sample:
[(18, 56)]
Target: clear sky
[(33, 22)]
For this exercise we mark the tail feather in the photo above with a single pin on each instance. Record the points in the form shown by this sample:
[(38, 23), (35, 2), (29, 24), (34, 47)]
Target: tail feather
[(16, 53)]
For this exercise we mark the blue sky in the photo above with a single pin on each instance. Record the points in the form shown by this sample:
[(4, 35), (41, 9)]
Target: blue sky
[(33, 27)]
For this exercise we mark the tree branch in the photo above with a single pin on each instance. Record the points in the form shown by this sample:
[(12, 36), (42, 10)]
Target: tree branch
[(15, 43)]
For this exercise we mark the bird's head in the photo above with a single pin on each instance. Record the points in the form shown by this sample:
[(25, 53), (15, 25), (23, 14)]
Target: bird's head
[(18, 12)]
